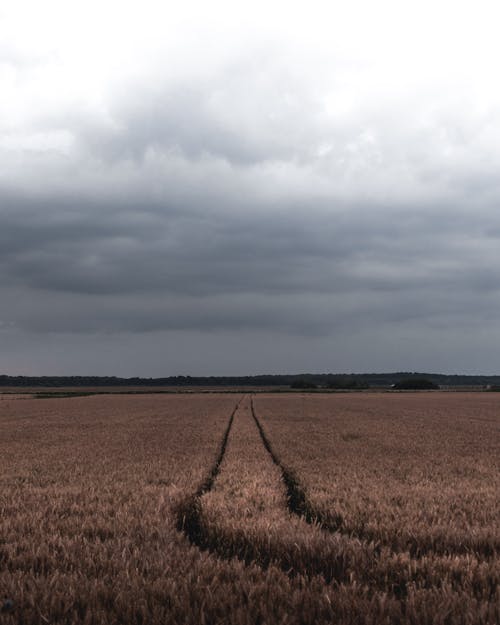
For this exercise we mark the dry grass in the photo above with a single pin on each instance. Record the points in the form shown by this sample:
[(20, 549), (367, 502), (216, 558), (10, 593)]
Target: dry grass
[(94, 491)]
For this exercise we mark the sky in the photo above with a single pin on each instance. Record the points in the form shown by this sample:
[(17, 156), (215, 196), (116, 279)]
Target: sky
[(210, 188)]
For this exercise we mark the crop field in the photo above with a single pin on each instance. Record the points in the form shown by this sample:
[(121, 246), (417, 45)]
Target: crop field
[(355, 508)]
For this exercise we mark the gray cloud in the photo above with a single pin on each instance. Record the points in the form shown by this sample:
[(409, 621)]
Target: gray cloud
[(252, 201), (173, 270)]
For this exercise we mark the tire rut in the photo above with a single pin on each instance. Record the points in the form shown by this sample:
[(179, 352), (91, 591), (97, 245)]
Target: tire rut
[(216, 530), (298, 503), (336, 557), (188, 512), (297, 500)]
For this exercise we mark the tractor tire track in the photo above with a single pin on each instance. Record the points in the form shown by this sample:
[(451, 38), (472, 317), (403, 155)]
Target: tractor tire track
[(188, 512), (298, 503), (334, 561), (387, 568), (336, 557)]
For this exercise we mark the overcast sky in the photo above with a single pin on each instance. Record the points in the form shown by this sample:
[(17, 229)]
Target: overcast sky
[(238, 188)]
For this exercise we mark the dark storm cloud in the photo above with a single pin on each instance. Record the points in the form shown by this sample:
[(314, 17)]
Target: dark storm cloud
[(145, 270), (173, 253), (265, 195)]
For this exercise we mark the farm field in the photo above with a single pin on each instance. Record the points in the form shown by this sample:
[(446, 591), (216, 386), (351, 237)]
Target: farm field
[(241, 508), (412, 471)]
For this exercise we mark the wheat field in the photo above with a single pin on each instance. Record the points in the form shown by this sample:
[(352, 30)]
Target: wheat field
[(237, 508)]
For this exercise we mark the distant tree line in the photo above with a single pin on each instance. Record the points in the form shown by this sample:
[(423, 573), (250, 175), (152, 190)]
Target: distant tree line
[(321, 380), (415, 384)]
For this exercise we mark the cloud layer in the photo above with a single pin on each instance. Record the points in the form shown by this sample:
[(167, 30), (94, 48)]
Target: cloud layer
[(248, 195)]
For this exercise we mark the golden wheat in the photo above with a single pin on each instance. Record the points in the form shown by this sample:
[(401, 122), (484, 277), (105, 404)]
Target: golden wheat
[(94, 490)]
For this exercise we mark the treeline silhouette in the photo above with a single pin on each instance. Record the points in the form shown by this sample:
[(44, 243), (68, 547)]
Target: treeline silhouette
[(320, 380)]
